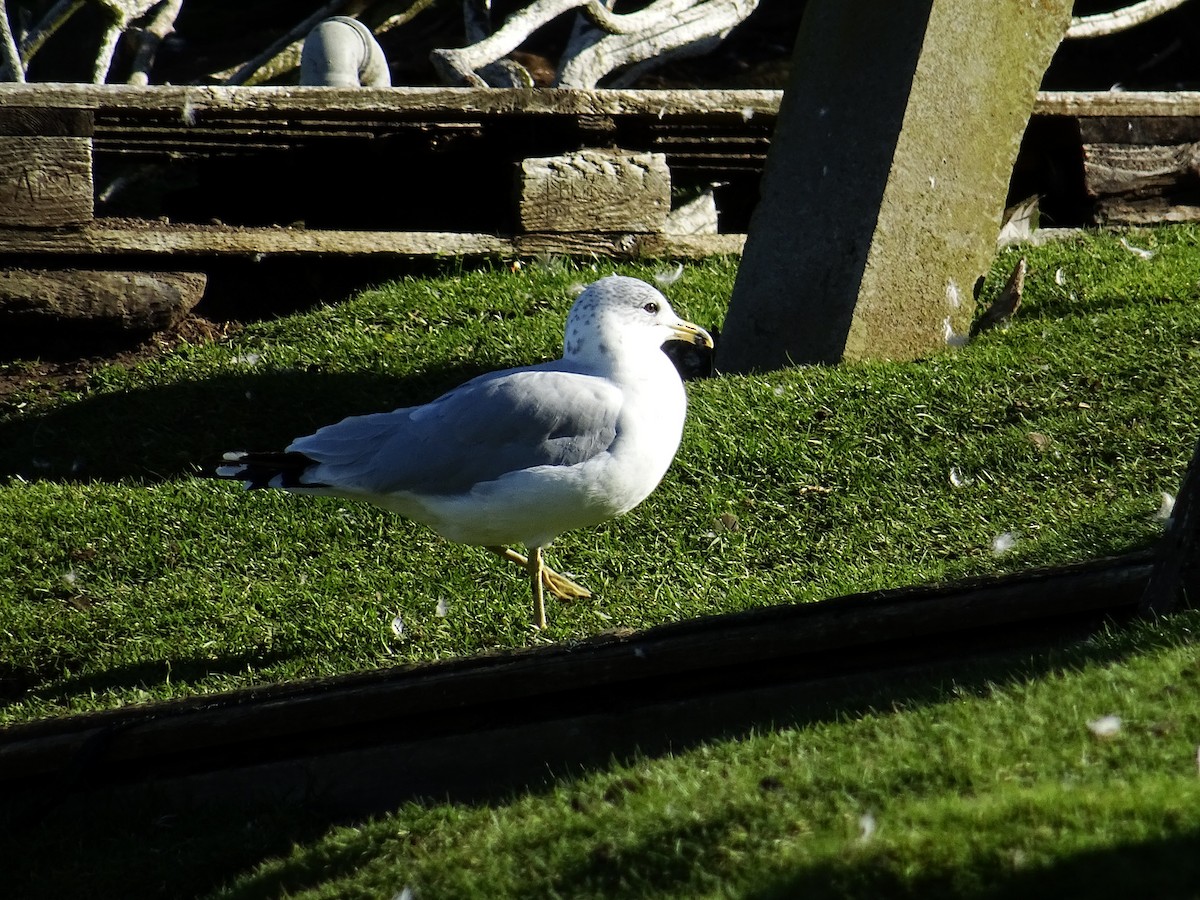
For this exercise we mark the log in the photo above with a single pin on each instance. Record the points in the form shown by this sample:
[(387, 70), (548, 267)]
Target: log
[(53, 300)]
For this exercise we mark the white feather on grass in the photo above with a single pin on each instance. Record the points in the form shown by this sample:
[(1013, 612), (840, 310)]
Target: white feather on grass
[(1004, 543), (1139, 252), (667, 277), (1105, 726)]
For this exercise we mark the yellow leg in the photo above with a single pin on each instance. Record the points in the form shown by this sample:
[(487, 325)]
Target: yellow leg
[(536, 569), (559, 585)]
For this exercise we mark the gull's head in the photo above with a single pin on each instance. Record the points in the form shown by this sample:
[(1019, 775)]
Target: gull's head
[(619, 316)]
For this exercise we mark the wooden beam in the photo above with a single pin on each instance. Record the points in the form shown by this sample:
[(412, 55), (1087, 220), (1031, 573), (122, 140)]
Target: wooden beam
[(156, 239), (285, 101), (45, 181), (594, 190)]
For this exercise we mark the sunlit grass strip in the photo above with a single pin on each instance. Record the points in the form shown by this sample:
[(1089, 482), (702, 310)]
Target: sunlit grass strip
[(1059, 435)]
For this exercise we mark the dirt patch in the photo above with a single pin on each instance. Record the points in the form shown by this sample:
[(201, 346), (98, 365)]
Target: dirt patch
[(67, 369)]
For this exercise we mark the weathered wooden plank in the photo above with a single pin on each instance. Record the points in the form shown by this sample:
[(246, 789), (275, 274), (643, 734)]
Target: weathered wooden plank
[(1090, 104), (282, 101), (45, 181), (48, 121), (154, 239), (594, 191), (1123, 169), (629, 246), (1136, 184)]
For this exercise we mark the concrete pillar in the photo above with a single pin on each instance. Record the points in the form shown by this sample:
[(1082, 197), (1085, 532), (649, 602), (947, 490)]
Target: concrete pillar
[(886, 178)]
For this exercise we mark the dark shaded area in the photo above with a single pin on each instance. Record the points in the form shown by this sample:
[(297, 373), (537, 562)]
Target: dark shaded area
[(1160, 55), (1050, 165), (213, 35), (334, 169), (180, 428), (1167, 868), (16, 683), (175, 429), (188, 849), (239, 289)]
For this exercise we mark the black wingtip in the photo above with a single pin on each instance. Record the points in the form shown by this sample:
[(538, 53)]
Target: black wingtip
[(277, 469)]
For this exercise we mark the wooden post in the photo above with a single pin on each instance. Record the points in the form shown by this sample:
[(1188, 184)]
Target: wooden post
[(886, 178), (1176, 576), (45, 167), (595, 191)]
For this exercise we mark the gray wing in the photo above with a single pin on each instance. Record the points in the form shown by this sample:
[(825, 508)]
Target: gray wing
[(497, 423)]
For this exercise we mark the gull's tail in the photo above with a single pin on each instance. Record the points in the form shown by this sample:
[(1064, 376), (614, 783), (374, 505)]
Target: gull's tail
[(272, 469)]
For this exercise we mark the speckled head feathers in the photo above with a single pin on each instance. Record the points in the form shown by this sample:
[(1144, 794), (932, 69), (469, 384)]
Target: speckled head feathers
[(618, 317)]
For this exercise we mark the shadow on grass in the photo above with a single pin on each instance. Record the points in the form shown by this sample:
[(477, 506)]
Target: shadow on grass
[(152, 844), (162, 432), (1155, 868), (158, 433), (1164, 868), (18, 684)]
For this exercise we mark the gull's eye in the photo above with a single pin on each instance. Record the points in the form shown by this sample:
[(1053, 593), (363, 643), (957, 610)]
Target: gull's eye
[(651, 307)]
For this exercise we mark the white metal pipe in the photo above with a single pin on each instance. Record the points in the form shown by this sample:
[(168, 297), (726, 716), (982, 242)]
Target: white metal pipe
[(342, 52)]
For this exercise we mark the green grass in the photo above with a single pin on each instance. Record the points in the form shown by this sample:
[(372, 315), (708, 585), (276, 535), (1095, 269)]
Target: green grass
[(1002, 789), (982, 782), (124, 578)]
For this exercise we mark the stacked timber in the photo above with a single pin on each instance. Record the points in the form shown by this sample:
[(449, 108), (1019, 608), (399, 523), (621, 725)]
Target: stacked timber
[(170, 180), (1139, 153)]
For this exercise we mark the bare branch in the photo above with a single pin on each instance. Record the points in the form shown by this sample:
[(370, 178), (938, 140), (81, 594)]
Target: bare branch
[(104, 56), (286, 48), (646, 19), (678, 27), (125, 11), (1122, 19), (11, 68), (151, 37), (458, 66), (44, 29), (688, 32), (395, 21), (122, 13)]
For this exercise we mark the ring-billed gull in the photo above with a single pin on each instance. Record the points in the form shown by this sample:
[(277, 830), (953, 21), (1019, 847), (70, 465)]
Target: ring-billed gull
[(521, 455)]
